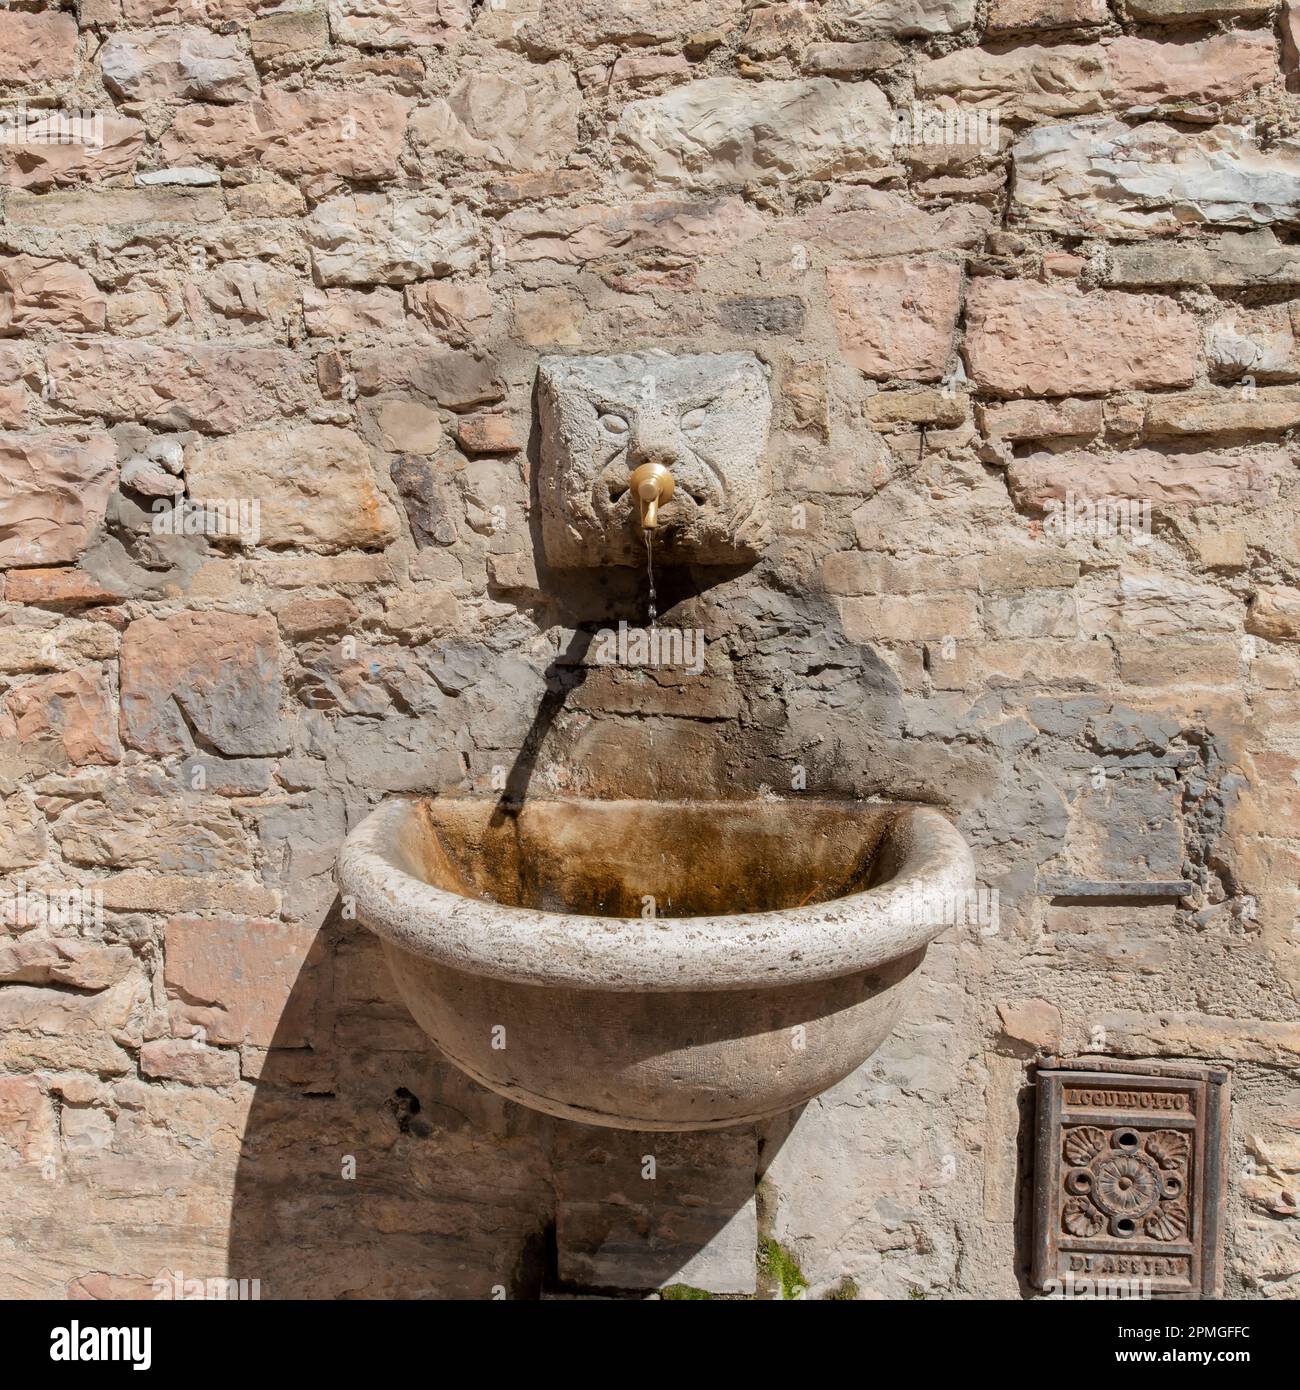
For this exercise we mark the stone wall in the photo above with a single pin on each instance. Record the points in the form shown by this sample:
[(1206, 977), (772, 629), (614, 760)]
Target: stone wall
[(311, 262)]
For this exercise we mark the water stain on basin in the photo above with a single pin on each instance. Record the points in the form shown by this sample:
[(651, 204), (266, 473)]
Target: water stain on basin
[(654, 965), (676, 859)]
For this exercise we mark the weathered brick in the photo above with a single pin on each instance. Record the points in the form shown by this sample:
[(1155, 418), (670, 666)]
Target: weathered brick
[(1275, 614), (1050, 340), (896, 318), (180, 386), (36, 293), (352, 134), (216, 674), (242, 981), (54, 490), (1163, 480), (36, 48), (73, 708), (895, 618)]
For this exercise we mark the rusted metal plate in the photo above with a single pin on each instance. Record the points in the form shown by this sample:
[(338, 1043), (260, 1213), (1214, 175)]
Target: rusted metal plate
[(1129, 1175)]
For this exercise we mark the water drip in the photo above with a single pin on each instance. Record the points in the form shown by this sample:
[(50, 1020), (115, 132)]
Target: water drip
[(649, 535)]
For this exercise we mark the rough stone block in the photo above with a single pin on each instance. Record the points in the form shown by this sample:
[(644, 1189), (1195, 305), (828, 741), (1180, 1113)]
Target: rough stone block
[(202, 678), (896, 318), (54, 490), (190, 63), (1275, 614), (72, 708), (1013, 16), (1101, 175), (242, 981), (182, 386), (1045, 340), (724, 130), (314, 486), (1165, 480), (36, 48), (514, 119), (348, 133), (36, 293)]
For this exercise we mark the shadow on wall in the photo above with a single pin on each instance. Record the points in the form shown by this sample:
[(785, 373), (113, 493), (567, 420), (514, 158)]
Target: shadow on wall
[(372, 1168)]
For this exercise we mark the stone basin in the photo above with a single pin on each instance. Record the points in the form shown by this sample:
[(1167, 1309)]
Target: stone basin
[(655, 965)]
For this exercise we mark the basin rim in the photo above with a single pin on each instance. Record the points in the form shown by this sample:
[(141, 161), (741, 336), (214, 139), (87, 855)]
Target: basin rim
[(757, 950)]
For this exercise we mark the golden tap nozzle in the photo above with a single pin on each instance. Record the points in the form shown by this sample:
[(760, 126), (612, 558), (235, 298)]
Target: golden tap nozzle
[(653, 485)]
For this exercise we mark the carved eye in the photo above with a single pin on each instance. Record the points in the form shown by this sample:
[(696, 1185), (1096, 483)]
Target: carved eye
[(693, 419), (615, 424)]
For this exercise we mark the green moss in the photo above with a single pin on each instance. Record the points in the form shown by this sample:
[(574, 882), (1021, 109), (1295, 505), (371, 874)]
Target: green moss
[(846, 1291), (684, 1292), (781, 1268), (916, 1292)]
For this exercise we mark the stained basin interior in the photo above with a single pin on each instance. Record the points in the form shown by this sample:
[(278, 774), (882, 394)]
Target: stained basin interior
[(693, 859)]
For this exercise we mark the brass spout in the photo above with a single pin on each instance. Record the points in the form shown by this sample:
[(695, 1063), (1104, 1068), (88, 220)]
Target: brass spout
[(653, 484)]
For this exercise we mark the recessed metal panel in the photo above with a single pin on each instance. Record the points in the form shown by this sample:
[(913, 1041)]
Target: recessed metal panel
[(1129, 1176)]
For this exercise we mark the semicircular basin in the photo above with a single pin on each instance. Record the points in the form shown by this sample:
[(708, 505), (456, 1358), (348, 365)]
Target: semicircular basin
[(655, 965)]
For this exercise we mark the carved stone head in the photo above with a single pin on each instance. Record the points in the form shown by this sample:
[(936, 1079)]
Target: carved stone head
[(704, 416)]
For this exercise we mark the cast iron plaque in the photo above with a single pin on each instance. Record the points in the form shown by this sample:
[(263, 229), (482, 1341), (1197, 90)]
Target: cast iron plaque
[(1129, 1172)]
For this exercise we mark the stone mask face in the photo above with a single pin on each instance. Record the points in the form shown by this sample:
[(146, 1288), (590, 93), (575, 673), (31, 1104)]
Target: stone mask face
[(703, 416)]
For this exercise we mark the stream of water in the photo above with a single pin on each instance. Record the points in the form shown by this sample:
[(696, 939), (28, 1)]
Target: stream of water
[(649, 535)]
